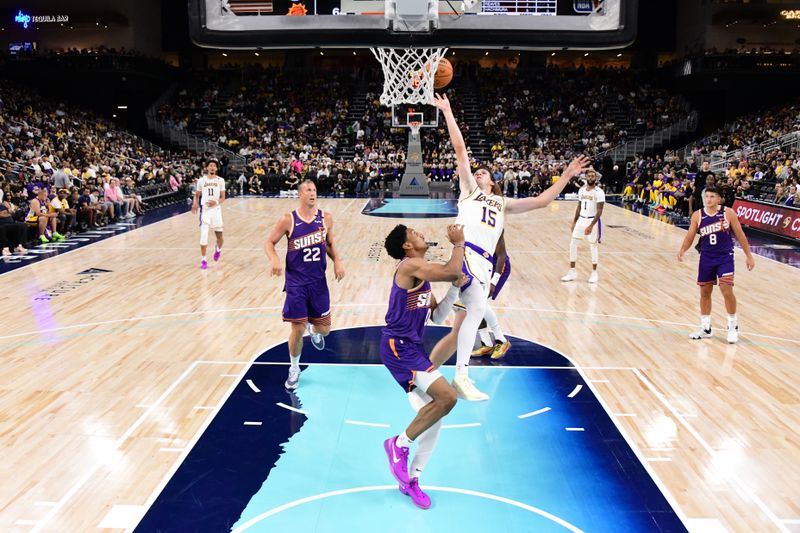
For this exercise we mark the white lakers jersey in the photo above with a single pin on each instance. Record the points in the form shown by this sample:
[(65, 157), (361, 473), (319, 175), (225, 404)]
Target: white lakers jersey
[(211, 188), (483, 218), (589, 200)]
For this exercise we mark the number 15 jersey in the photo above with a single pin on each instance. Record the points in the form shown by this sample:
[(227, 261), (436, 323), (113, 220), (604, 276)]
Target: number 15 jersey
[(305, 255), (483, 218)]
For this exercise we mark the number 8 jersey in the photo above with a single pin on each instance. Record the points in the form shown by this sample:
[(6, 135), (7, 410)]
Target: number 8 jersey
[(715, 233), (305, 254)]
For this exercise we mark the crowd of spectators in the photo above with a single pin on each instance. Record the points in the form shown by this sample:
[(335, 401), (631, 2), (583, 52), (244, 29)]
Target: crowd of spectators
[(290, 125), (744, 166), (556, 113), (74, 169), (749, 131), (671, 184)]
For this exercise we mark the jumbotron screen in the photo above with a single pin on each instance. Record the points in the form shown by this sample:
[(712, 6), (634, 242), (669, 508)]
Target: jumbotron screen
[(518, 24), (375, 7)]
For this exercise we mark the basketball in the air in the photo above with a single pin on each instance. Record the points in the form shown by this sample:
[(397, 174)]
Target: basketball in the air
[(444, 74)]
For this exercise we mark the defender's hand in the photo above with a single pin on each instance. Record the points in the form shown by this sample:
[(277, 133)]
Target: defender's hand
[(455, 234)]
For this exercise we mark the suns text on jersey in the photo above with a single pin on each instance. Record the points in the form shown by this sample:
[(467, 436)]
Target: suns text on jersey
[(312, 239), (711, 228)]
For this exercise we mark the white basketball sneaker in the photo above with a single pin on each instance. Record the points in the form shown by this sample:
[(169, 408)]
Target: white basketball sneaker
[(317, 340), (467, 390), (572, 275), (701, 333), (293, 380), (594, 278), (733, 334)]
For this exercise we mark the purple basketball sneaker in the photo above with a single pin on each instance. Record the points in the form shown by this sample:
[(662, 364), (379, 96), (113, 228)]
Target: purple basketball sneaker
[(398, 459), (203, 264), (411, 489), (217, 253)]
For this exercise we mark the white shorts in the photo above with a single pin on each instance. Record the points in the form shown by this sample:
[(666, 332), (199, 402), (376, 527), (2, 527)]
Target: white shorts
[(580, 227), (211, 217), (480, 268)]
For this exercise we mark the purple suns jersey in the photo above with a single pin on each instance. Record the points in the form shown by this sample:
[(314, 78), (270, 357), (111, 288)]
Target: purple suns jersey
[(408, 312), (715, 233), (305, 254)]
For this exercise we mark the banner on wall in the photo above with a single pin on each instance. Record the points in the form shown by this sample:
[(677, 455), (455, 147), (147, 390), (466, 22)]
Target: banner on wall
[(772, 218)]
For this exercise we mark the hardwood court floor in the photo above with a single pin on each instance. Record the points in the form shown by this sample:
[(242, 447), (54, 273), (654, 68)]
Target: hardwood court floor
[(102, 388)]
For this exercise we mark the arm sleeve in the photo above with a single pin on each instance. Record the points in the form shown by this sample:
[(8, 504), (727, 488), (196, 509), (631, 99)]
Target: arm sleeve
[(445, 307)]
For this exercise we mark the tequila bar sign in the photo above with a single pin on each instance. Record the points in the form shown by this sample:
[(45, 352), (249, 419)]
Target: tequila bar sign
[(27, 19)]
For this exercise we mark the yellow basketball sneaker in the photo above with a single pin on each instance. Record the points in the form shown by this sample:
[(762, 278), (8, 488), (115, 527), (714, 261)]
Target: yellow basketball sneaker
[(499, 349), (483, 351)]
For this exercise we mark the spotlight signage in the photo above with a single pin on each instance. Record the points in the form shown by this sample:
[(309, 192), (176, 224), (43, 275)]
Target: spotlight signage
[(791, 14), (26, 19)]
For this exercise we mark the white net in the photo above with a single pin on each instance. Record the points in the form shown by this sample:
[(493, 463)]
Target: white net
[(408, 74)]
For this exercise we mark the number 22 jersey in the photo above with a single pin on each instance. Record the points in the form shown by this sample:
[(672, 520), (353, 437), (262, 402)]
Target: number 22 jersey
[(306, 251)]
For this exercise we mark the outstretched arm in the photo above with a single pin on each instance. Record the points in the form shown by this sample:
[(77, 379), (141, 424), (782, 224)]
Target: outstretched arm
[(578, 165), (689, 239), (465, 177)]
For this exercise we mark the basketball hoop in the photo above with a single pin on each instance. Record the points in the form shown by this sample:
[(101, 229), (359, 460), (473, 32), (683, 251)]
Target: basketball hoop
[(408, 74)]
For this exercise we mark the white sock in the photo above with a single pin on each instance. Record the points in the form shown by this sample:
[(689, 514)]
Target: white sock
[(494, 324), (732, 323), (705, 322), (425, 445), (425, 442), (218, 248), (403, 441), (486, 339), (204, 258), (295, 359)]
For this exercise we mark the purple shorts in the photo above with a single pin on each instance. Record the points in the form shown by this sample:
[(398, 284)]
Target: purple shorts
[(405, 360), (308, 303), (503, 278), (712, 268)]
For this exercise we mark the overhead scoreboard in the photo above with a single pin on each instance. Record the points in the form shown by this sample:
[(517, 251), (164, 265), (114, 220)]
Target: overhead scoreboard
[(513, 24)]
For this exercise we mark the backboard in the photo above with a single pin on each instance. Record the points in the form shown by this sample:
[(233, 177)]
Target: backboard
[(402, 113), (513, 24)]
